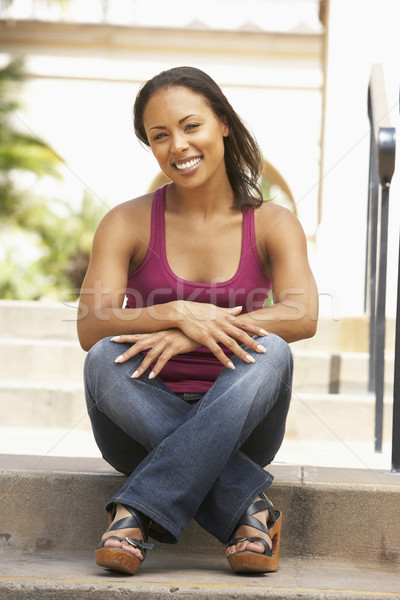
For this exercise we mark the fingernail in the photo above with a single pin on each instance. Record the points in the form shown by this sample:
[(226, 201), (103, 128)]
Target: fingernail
[(115, 338), (119, 358), (261, 348), (263, 332), (250, 359), (152, 375), (230, 365), (135, 374)]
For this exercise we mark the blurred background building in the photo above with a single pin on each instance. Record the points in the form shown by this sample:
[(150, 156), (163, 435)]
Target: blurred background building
[(297, 72)]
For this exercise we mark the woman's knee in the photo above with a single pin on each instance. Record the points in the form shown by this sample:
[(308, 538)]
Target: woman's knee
[(102, 354), (277, 349)]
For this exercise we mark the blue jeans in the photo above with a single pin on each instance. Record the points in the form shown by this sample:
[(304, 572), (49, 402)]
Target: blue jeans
[(201, 459)]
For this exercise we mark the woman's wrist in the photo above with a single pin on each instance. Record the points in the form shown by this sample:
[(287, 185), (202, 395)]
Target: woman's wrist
[(177, 312)]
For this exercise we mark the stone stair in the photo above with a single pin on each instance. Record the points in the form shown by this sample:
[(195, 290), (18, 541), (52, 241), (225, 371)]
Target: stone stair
[(41, 366), (341, 527), (340, 538)]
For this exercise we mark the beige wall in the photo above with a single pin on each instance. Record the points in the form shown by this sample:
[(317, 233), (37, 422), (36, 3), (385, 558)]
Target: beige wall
[(83, 80), (360, 33)]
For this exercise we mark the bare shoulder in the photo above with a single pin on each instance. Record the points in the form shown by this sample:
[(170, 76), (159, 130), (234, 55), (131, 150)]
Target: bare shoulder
[(275, 223), (134, 210), (129, 219)]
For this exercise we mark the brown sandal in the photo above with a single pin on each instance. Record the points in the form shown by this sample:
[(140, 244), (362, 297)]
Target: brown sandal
[(118, 559), (246, 561)]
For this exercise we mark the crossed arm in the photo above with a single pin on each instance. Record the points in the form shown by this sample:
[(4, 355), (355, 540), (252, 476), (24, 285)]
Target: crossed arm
[(177, 327)]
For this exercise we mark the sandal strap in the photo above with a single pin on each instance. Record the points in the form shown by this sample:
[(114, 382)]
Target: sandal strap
[(136, 520), (273, 514), (248, 519), (139, 544)]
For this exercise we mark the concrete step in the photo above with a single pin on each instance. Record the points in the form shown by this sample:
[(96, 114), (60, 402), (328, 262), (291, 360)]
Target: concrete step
[(54, 360), (345, 373), (38, 343), (46, 320), (311, 417), (74, 442), (30, 319), (43, 405), (44, 360), (329, 417), (74, 576), (340, 537), (57, 495)]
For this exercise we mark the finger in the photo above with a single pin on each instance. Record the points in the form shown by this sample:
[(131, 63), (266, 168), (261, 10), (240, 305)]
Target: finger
[(123, 339), (220, 355), (236, 310), (151, 357), (233, 312), (236, 349), (160, 364), (138, 346), (245, 339), (250, 328)]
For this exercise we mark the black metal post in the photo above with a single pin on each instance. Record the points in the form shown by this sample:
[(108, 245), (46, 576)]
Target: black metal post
[(396, 391), (382, 163), (380, 321), (372, 248)]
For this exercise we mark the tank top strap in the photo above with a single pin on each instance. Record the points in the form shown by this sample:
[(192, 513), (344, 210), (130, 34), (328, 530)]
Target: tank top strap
[(249, 235), (157, 232)]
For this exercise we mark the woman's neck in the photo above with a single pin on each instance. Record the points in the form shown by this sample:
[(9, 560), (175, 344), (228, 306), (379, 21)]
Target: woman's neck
[(204, 202)]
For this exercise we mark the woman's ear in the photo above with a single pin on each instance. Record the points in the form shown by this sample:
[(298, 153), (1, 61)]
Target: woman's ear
[(225, 129)]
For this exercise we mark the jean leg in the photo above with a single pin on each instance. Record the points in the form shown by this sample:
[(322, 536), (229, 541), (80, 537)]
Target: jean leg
[(266, 438), (258, 449), (205, 448), (129, 417)]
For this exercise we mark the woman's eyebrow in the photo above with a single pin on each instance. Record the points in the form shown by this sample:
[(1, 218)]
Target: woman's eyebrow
[(188, 117), (180, 122)]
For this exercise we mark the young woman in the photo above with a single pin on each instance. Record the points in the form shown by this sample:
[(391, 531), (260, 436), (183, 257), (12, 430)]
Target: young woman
[(188, 374)]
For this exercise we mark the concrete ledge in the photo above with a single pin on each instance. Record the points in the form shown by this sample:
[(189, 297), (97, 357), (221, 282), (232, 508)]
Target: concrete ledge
[(30, 319), (58, 505), (36, 360), (54, 319), (43, 405), (76, 577)]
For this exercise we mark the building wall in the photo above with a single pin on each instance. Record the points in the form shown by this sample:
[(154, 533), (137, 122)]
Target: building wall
[(83, 80), (360, 33)]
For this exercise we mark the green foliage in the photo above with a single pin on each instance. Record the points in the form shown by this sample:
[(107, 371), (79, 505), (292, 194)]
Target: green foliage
[(60, 238), (19, 151), (45, 244)]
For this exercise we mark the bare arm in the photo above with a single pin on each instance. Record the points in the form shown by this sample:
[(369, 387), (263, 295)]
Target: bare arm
[(100, 312), (294, 314), (100, 308)]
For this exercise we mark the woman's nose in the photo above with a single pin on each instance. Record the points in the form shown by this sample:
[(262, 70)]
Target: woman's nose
[(179, 143)]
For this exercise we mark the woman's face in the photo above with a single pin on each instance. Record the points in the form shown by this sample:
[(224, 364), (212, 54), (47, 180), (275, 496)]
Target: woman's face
[(186, 137)]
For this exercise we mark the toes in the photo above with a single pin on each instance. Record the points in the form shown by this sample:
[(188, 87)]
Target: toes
[(124, 546), (131, 549)]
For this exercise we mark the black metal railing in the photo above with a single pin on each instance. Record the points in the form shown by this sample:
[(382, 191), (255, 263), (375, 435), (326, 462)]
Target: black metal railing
[(381, 169)]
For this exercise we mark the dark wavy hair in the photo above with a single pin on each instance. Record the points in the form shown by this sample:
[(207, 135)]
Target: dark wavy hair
[(243, 157)]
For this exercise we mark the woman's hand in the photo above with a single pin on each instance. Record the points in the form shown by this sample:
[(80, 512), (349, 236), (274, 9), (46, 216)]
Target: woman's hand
[(210, 326), (161, 346)]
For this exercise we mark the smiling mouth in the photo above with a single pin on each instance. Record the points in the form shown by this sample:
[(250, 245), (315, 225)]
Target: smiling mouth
[(188, 164)]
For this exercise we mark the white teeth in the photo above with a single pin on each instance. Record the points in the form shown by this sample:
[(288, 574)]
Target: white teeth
[(188, 164)]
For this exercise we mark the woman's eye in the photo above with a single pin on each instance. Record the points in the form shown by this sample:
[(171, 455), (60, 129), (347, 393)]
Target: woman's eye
[(159, 136), (192, 126)]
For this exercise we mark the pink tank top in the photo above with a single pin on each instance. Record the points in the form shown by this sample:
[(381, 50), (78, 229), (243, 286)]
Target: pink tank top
[(155, 283)]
